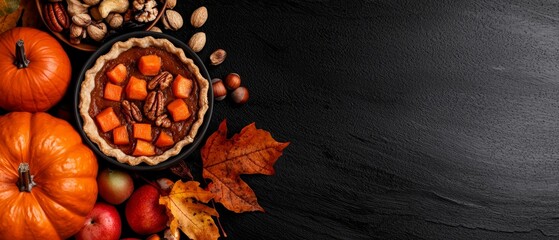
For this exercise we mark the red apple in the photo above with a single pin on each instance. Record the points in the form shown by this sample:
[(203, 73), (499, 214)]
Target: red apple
[(115, 186), (102, 223), (144, 213)]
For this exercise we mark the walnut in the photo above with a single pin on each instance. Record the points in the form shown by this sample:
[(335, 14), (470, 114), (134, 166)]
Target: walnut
[(146, 10)]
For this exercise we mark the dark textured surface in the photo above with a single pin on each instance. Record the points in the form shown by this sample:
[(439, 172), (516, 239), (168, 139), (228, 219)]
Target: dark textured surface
[(407, 119)]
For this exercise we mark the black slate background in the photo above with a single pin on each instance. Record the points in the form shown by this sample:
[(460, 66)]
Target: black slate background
[(407, 119)]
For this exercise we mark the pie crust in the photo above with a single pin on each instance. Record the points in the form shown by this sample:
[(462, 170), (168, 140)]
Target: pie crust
[(87, 86)]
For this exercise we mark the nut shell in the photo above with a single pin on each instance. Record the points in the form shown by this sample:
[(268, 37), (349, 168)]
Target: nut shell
[(156, 29), (197, 41), (232, 81), (199, 17), (240, 95), (114, 20), (172, 20), (76, 31), (217, 57), (218, 89), (82, 19), (97, 31)]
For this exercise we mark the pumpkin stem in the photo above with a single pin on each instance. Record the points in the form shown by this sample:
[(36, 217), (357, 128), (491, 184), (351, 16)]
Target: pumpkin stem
[(21, 60), (25, 182)]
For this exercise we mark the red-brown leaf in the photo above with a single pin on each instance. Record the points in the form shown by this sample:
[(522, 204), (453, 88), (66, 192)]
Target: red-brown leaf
[(252, 151)]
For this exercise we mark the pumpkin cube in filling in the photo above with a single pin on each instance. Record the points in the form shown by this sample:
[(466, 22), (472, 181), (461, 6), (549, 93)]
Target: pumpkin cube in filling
[(117, 74), (142, 131), (136, 89), (120, 136), (107, 120), (179, 110), (164, 140), (149, 65), (112, 92), (143, 148), (182, 86)]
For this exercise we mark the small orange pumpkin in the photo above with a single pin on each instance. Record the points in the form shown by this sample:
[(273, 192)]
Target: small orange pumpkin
[(47, 177), (35, 70)]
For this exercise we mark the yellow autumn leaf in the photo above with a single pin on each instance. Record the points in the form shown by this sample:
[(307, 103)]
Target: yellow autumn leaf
[(187, 211)]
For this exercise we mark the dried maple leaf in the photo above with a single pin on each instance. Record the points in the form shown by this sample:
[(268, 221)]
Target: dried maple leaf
[(186, 211), (252, 151), (9, 21), (11, 11), (8, 6)]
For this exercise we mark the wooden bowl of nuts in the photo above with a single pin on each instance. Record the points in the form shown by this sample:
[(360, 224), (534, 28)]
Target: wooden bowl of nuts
[(87, 24)]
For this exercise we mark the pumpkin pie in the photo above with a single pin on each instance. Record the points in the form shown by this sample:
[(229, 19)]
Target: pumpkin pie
[(143, 101)]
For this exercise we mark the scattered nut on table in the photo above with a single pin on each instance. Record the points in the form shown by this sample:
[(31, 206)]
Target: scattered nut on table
[(219, 90), (232, 81), (217, 57), (172, 20), (240, 95), (197, 41), (199, 17)]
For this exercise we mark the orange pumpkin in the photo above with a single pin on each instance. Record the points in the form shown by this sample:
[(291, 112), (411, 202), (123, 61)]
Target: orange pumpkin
[(47, 177), (34, 72)]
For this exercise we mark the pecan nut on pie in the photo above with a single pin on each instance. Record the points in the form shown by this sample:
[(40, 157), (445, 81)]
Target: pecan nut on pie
[(143, 101)]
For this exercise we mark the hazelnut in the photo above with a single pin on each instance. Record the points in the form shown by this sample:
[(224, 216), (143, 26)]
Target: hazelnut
[(240, 95), (114, 20), (172, 20), (217, 57), (232, 81), (199, 17), (219, 89), (197, 41)]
